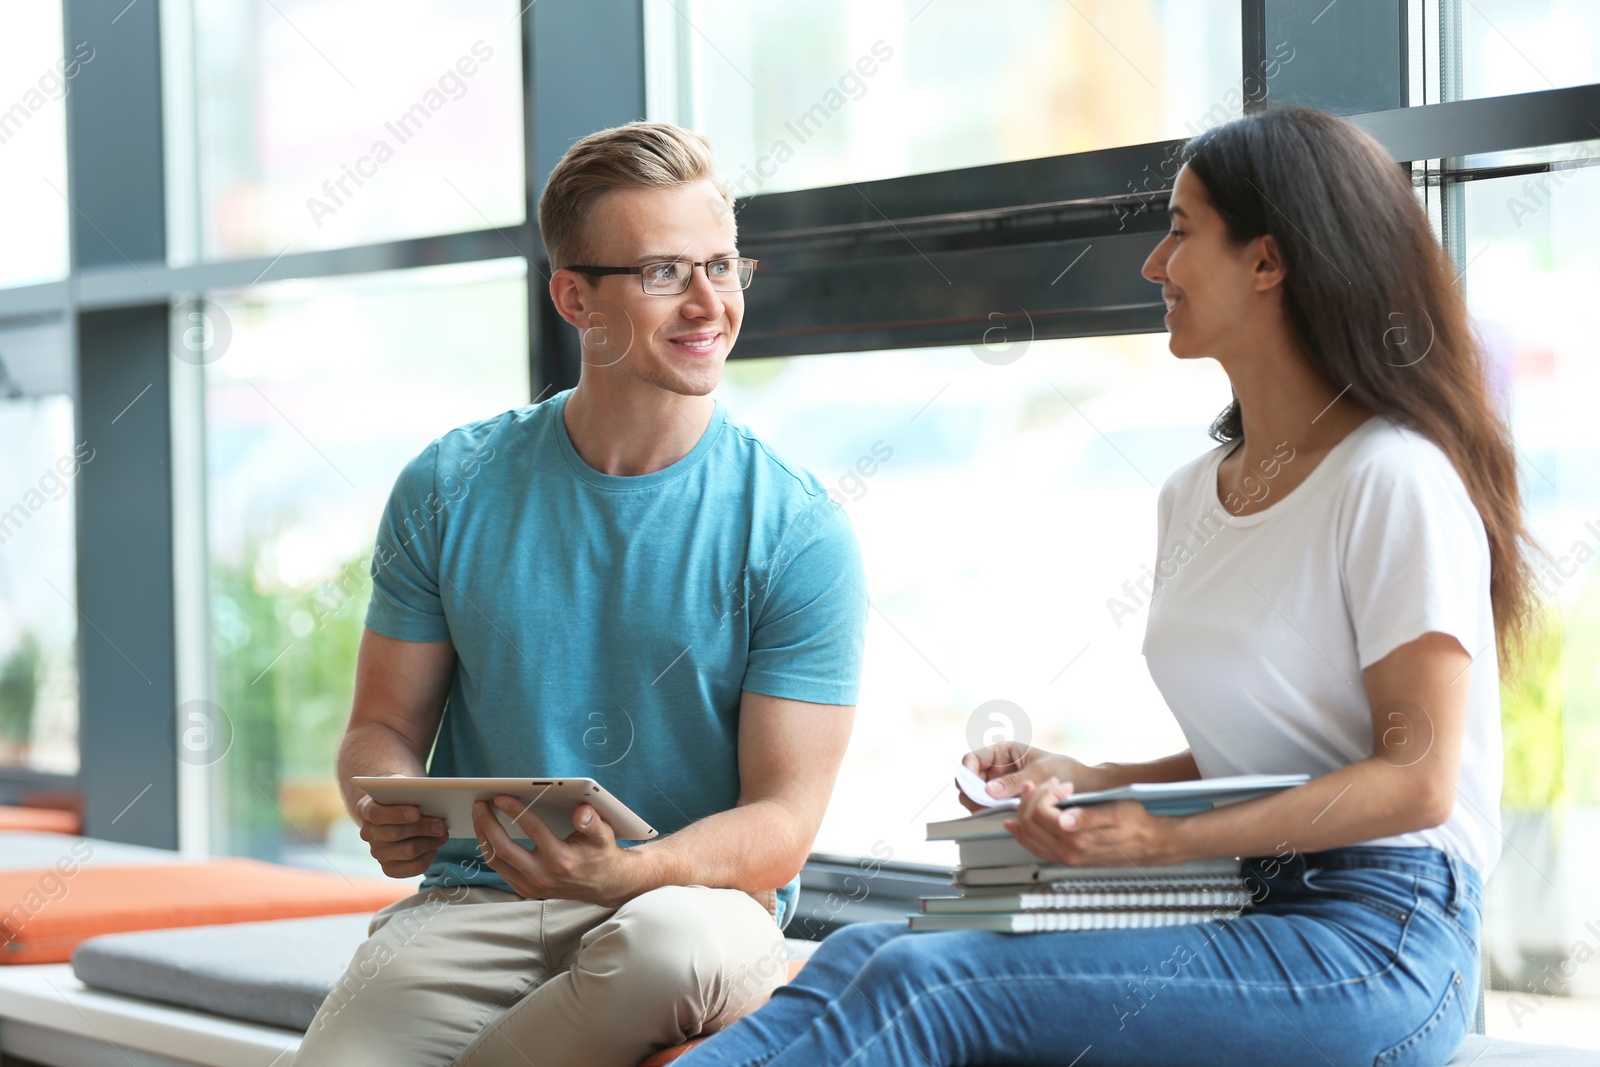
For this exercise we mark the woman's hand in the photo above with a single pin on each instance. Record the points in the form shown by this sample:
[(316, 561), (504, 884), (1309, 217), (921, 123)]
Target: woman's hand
[(1119, 834), (1008, 766)]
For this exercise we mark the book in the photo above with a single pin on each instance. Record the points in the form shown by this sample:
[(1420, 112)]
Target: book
[(1128, 879), (1094, 895), (993, 852), (1004, 887), (980, 824), (1159, 798), (1039, 871), (1053, 921), (1007, 851)]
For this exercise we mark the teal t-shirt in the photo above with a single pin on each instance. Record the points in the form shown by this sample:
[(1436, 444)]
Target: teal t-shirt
[(605, 626)]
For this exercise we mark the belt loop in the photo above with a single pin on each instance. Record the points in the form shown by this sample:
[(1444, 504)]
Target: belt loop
[(1457, 883)]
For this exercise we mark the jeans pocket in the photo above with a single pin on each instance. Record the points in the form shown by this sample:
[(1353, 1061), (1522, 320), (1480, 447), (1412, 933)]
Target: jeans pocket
[(1437, 1039), (1389, 893)]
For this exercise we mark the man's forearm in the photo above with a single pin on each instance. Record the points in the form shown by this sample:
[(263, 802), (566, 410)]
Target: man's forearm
[(754, 847), (373, 749)]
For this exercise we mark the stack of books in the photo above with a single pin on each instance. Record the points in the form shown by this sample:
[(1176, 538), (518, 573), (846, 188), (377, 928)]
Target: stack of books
[(1004, 887)]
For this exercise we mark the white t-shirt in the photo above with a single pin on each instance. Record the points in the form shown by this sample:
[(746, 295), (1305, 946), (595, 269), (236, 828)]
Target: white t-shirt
[(1261, 624)]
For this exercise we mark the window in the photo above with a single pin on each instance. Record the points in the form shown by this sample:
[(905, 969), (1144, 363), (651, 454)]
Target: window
[(1000, 511), (36, 74), (822, 92), (324, 126), (323, 392), (38, 589), (1532, 270), (1522, 46)]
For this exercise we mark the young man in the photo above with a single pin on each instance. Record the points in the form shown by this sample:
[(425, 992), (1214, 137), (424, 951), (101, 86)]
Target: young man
[(618, 583)]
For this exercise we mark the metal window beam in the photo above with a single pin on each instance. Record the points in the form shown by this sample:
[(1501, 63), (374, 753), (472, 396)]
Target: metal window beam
[(126, 720), (1489, 124), (149, 283), (566, 43), (127, 712)]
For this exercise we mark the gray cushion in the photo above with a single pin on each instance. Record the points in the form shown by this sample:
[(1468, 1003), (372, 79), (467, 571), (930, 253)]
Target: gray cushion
[(1481, 1051), (24, 850), (277, 973)]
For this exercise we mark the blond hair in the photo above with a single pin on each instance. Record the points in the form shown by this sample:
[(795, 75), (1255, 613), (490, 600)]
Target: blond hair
[(633, 156)]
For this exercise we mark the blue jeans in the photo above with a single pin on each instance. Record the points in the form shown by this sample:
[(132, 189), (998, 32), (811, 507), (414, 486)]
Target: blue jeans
[(1364, 955)]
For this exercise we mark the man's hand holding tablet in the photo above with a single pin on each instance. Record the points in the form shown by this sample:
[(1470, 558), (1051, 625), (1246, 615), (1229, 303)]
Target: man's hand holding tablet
[(403, 840), (584, 863)]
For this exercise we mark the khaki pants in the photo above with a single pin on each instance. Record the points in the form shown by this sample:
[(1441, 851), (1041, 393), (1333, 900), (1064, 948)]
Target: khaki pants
[(478, 977)]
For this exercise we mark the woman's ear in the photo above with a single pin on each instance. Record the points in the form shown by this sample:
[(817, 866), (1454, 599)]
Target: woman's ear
[(1269, 268)]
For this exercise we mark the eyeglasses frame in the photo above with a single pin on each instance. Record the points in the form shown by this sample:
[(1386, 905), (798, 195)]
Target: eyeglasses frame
[(641, 268)]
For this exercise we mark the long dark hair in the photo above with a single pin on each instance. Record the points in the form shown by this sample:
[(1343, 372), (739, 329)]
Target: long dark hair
[(1372, 298)]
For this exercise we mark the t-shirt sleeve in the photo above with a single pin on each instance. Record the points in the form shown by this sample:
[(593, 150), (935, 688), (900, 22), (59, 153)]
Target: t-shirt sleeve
[(808, 636), (1415, 555), (405, 560)]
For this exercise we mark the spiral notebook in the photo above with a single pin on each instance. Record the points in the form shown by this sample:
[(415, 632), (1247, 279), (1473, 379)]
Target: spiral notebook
[(1040, 922), (1110, 893)]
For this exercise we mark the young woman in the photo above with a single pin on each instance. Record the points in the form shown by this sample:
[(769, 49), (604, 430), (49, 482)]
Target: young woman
[(1335, 581)]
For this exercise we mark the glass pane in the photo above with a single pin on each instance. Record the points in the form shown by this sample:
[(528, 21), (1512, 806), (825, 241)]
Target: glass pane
[(1522, 46), (805, 93), (38, 584), (1532, 272), (35, 75), (324, 391), (1000, 510), (328, 123)]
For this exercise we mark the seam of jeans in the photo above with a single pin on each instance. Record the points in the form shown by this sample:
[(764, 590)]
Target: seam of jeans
[(1443, 914), (1358, 898), (1425, 1029)]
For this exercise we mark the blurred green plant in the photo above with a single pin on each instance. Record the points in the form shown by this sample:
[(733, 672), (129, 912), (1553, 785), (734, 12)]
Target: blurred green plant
[(1550, 711), (19, 691), (285, 677), (1581, 688), (1530, 720)]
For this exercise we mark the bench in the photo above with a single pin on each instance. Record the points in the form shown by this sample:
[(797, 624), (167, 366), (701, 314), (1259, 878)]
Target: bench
[(241, 994)]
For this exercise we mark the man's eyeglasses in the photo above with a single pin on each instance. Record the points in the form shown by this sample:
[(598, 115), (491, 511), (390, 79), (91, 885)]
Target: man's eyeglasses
[(669, 277)]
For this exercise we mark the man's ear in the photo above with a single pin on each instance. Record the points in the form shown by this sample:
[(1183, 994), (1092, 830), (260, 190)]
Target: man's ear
[(1269, 270), (567, 293)]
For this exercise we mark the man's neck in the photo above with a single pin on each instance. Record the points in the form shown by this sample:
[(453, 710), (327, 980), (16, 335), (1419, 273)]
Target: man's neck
[(633, 428)]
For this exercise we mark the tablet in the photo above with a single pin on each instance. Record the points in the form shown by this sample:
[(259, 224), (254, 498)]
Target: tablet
[(552, 799)]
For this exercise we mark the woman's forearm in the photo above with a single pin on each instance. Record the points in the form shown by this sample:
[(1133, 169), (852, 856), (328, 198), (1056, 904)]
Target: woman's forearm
[(1359, 802), (1176, 768)]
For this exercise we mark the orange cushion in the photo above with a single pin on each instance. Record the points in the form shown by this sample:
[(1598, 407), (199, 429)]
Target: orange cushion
[(45, 913), (667, 1055), (42, 820)]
